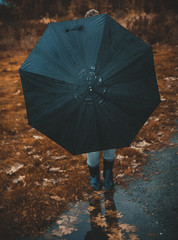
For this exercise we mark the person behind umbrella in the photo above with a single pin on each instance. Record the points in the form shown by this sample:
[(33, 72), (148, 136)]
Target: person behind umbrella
[(94, 157)]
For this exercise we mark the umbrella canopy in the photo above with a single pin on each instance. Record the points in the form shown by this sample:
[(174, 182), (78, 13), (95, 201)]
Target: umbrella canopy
[(89, 84)]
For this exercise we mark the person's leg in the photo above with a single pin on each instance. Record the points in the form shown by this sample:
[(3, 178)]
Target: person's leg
[(93, 158), (93, 165), (108, 162), (109, 154)]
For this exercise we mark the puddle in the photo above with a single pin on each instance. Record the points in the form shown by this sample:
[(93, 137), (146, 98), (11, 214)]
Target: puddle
[(99, 218), (109, 216)]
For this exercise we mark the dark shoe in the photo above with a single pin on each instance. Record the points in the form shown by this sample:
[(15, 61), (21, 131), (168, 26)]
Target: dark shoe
[(107, 174), (95, 177)]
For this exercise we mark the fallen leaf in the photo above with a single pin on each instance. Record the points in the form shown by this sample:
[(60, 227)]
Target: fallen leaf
[(14, 168)]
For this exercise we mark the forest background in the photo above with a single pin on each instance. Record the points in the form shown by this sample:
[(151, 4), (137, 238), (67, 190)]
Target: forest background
[(22, 22)]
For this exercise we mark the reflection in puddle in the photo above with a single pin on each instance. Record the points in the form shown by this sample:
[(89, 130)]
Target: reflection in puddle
[(98, 218), (105, 219)]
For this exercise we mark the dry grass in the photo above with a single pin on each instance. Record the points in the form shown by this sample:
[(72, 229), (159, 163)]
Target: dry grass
[(152, 28), (38, 177)]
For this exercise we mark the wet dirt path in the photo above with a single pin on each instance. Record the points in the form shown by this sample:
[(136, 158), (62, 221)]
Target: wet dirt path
[(39, 178)]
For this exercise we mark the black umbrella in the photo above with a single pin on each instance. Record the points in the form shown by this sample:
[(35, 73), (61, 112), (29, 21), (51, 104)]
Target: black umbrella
[(89, 84)]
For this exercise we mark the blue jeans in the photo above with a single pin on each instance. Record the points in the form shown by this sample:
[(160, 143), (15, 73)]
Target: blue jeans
[(94, 157)]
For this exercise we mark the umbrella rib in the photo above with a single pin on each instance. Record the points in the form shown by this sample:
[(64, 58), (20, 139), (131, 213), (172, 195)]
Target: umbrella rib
[(67, 49), (103, 35), (131, 117), (57, 82), (110, 118), (116, 71), (112, 115), (96, 121), (77, 132)]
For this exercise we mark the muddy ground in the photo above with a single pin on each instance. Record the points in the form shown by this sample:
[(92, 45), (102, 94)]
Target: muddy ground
[(38, 177)]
